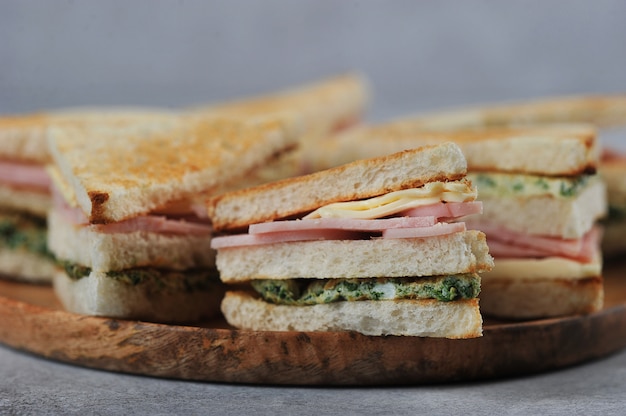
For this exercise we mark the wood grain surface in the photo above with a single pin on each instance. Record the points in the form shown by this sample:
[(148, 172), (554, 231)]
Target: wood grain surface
[(32, 320)]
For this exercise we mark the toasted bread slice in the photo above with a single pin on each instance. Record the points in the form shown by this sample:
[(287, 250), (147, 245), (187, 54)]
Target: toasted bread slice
[(526, 288), (540, 298), (357, 180), (322, 106), (117, 173), (425, 318), (600, 110), (462, 252), (166, 296), (104, 252), (23, 137), (25, 266), (564, 149)]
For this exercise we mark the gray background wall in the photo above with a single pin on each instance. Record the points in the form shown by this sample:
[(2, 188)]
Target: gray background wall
[(418, 54)]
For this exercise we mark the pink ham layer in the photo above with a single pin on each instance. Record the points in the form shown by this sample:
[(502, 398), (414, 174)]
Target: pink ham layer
[(26, 175), (422, 224), (504, 243), (146, 223)]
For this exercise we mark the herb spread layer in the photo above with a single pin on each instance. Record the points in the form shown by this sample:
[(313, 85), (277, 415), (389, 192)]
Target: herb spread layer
[(187, 281), (23, 232), (319, 291), (517, 185)]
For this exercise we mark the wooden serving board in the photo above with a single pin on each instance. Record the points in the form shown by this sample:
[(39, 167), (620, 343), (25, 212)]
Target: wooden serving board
[(32, 320)]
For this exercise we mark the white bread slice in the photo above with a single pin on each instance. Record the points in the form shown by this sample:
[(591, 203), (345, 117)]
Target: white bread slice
[(564, 149), (33, 202), (120, 173), (601, 110), (424, 318), (322, 106), (99, 295), (540, 298), (104, 252), (545, 215), (357, 180), (463, 252), (25, 266)]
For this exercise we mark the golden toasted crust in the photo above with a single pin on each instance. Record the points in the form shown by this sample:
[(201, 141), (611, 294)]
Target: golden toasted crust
[(23, 137), (356, 180), (562, 149), (322, 106), (117, 173), (601, 110)]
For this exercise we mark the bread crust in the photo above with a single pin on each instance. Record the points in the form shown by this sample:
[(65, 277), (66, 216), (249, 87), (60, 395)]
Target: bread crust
[(600, 110), (323, 105), (118, 172), (552, 150)]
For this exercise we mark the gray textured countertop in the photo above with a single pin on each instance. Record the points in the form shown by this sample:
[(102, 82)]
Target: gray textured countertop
[(32, 385)]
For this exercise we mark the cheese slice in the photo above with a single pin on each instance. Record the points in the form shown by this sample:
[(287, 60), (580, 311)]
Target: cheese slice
[(398, 201), (545, 268)]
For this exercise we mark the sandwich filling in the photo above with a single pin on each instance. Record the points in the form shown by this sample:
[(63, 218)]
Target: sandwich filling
[(301, 292), (432, 210), (24, 232), (411, 213), (22, 175), (186, 282), (506, 242), (507, 185)]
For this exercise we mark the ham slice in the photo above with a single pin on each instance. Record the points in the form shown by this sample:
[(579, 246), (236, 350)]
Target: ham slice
[(24, 174), (146, 223), (341, 224), (504, 243), (154, 224), (73, 215), (326, 234)]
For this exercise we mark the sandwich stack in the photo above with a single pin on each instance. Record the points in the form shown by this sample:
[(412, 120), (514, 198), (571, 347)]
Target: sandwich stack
[(124, 222), (541, 202), (24, 183), (374, 246), (24, 199)]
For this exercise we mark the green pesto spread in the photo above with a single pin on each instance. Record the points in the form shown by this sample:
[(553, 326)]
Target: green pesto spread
[(511, 185), (187, 281), (319, 291), (23, 232)]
